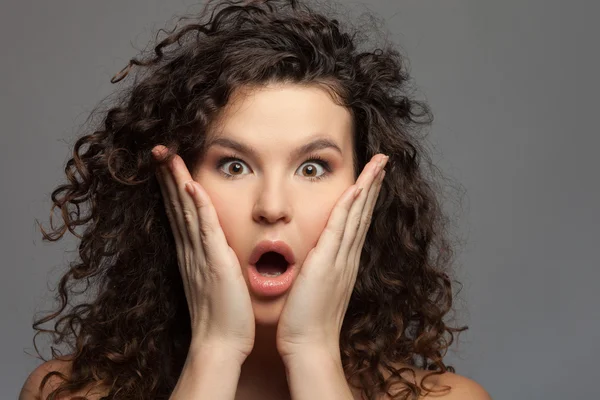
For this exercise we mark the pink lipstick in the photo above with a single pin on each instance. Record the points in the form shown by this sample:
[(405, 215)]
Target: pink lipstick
[(272, 268)]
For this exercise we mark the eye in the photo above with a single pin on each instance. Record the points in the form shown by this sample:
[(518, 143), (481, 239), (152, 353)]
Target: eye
[(311, 168), (231, 167)]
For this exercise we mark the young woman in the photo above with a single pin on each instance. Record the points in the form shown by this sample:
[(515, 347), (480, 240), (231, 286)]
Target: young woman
[(259, 225)]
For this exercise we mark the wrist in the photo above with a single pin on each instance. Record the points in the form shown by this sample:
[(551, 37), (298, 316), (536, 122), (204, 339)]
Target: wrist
[(209, 372), (323, 369), (218, 353), (313, 355)]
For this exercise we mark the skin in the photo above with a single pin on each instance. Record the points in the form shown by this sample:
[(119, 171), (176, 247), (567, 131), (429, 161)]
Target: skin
[(273, 197), (323, 222)]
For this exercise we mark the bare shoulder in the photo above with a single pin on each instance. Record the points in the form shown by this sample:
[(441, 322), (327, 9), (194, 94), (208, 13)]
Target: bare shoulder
[(31, 387), (459, 387)]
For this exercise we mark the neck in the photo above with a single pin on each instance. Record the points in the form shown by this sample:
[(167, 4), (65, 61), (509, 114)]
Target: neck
[(263, 374)]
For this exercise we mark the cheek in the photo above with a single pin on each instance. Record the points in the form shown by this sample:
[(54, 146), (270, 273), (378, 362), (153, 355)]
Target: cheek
[(312, 219), (229, 211)]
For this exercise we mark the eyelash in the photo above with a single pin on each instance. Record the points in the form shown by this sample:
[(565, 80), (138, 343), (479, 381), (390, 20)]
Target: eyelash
[(313, 158)]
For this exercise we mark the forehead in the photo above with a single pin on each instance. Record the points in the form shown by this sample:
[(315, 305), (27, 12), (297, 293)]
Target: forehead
[(283, 116)]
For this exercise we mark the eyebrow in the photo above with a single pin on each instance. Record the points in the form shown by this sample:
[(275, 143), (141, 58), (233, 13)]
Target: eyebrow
[(317, 144)]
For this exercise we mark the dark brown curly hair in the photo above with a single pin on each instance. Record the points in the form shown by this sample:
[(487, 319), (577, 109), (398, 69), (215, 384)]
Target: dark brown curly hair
[(133, 332)]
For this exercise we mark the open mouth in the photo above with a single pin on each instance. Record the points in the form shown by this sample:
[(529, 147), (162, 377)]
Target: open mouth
[(271, 264)]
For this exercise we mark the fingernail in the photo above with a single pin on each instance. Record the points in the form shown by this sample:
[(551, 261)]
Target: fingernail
[(190, 188), (156, 152)]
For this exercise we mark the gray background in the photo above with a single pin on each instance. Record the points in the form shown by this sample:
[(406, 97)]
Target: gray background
[(514, 88)]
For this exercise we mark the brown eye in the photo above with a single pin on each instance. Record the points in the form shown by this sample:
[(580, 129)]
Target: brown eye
[(310, 170), (234, 168), (231, 167)]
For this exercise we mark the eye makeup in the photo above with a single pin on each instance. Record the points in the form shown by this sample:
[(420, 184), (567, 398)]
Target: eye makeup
[(314, 158)]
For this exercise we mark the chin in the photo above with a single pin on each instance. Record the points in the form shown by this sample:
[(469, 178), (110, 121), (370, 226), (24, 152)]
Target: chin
[(267, 311)]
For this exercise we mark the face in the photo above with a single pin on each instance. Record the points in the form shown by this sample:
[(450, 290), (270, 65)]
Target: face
[(270, 190)]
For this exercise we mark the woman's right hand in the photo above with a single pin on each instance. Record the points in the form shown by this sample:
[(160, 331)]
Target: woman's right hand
[(218, 299)]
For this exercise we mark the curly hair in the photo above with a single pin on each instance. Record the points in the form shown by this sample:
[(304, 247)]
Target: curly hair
[(134, 332)]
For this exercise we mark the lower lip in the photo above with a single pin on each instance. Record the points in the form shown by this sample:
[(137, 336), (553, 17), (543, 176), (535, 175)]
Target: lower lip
[(271, 286)]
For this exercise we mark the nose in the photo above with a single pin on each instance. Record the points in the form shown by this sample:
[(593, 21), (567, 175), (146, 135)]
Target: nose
[(272, 203)]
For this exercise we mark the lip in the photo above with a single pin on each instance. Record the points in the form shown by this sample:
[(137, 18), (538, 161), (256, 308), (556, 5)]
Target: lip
[(278, 246), (269, 287)]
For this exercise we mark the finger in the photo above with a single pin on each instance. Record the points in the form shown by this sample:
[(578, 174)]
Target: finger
[(176, 228), (181, 176), (202, 225), (366, 220), (162, 175), (335, 231), (331, 238), (207, 233), (168, 204), (367, 180), (175, 202)]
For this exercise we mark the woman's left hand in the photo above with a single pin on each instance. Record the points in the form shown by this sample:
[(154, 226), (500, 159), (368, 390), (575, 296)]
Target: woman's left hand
[(314, 311)]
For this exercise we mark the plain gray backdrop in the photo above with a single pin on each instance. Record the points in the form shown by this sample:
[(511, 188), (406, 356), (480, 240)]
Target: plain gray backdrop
[(514, 89)]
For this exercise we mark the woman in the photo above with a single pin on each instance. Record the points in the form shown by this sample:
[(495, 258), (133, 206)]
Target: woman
[(260, 225)]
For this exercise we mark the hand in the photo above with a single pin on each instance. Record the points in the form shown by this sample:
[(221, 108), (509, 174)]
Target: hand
[(313, 313), (216, 292)]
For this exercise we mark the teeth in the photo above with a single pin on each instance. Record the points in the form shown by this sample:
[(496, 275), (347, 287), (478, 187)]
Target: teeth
[(270, 275)]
